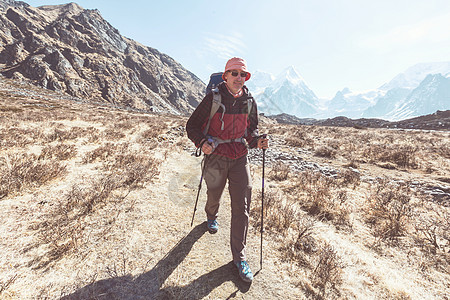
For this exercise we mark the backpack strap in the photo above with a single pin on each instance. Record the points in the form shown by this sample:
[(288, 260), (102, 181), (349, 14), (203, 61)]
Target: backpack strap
[(216, 103), (218, 141), (250, 101)]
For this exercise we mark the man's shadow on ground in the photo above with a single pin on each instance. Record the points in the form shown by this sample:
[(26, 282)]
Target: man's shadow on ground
[(149, 285)]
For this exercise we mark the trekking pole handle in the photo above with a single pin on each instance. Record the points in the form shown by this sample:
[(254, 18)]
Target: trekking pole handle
[(264, 136), (198, 151), (262, 142)]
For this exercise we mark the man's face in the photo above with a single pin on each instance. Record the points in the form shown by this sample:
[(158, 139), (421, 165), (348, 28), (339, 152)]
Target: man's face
[(236, 82)]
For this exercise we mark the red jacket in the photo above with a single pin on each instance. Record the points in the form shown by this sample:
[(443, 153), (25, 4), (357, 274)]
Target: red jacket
[(237, 121)]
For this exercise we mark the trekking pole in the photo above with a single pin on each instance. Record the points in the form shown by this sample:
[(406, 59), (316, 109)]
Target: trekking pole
[(262, 205), (199, 187)]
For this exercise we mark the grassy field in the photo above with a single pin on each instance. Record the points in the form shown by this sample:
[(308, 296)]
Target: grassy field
[(96, 199)]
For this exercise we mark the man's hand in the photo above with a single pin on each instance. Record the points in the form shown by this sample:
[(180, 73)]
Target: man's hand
[(263, 143), (207, 148)]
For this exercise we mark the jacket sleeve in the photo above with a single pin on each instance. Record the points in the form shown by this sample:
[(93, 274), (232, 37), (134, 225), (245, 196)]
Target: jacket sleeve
[(197, 121), (252, 126)]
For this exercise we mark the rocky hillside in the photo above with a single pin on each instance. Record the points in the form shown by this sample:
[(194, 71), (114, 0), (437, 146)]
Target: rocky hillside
[(74, 50)]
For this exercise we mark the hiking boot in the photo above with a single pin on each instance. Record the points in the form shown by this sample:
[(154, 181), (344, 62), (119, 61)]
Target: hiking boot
[(213, 226), (244, 271)]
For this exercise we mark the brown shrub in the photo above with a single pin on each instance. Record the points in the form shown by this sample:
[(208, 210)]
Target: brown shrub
[(319, 196), (125, 124), (401, 155), (299, 249), (151, 134), (315, 188), (350, 176), (59, 152), (335, 143), (298, 136), (58, 135), (113, 134), (134, 169), (280, 171), (17, 137), (328, 270), (104, 152), (279, 214), (21, 171), (63, 228), (92, 134), (389, 209), (432, 235), (325, 151), (443, 150)]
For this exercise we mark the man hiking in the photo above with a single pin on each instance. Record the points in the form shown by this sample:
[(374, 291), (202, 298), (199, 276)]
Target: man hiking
[(224, 139)]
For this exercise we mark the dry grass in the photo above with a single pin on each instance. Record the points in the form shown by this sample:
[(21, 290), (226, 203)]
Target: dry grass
[(328, 270), (73, 177), (279, 172), (321, 196), (64, 229), (81, 162), (392, 148), (389, 209), (399, 217), (22, 171), (58, 152)]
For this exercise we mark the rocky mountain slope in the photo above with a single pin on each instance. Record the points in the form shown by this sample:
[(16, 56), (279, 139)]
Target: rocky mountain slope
[(74, 50)]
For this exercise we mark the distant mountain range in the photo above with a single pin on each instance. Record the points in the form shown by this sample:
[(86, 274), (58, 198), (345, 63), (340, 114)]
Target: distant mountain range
[(440, 120), (420, 90)]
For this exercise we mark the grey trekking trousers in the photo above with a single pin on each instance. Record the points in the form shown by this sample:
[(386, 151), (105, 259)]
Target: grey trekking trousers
[(218, 170)]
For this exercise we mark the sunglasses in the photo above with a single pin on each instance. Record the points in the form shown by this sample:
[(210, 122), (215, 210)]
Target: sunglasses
[(235, 73)]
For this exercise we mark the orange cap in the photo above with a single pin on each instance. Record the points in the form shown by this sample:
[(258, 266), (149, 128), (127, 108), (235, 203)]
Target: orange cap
[(236, 63)]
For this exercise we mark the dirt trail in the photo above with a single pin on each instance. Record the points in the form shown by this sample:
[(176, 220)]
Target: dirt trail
[(187, 262), (207, 270)]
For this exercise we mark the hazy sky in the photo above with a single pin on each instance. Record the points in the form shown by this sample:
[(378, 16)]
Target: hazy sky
[(333, 44)]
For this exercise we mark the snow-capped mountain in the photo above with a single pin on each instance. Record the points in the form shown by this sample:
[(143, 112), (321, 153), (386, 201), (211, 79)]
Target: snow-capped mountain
[(259, 81), (288, 93), (431, 95), (414, 75), (387, 103), (422, 89), (350, 104)]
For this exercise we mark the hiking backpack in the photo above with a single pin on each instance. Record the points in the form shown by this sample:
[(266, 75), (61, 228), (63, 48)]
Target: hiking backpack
[(214, 81)]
